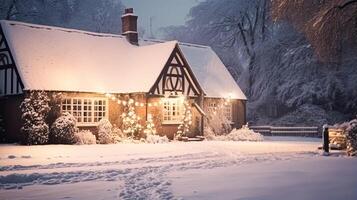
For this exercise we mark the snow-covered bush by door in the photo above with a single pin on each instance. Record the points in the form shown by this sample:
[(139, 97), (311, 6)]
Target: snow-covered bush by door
[(105, 135), (243, 134), (63, 129), (217, 119), (85, 137), (34, 110), (208, 133)]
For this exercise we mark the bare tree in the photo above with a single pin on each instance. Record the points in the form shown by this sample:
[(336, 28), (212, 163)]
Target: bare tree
[(246, 29), (329, 26)]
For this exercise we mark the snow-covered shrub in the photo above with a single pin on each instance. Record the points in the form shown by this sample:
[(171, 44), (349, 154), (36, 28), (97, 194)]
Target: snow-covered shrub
[(85, 137), (155, 139), (64, 129), (243, 134), (105, 135), (34, 110), (118, 135), (350, 130), (351, 133)]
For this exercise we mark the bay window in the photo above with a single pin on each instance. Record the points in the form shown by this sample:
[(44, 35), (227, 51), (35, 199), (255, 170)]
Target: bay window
[(87, 111)]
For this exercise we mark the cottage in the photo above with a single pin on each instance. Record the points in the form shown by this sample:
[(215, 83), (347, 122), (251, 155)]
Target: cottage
[(97, 75)]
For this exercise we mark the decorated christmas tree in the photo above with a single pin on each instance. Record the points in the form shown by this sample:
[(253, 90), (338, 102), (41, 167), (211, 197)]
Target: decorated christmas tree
[(184, 127), (35, 109), (150, 126), (131, 125)]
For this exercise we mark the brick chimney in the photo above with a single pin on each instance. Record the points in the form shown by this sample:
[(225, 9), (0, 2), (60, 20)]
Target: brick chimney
[(129, 26)]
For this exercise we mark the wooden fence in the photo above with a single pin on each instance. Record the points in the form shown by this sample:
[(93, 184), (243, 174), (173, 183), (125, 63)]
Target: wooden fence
[(287, 131)]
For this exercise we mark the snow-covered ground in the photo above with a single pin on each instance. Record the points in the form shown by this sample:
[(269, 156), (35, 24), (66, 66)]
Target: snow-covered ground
[(277, 168)]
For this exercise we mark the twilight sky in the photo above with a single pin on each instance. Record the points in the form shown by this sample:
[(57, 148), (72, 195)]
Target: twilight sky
[(163, 12)]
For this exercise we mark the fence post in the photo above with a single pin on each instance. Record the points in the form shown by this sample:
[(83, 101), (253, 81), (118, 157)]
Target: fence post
[(325, 139)]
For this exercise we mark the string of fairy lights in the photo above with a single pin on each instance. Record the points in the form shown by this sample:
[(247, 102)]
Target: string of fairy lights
[(130, 101)]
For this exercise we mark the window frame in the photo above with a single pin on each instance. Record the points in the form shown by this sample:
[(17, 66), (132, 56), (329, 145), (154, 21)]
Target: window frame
[(178, 111), (228, 111), (90, 113)]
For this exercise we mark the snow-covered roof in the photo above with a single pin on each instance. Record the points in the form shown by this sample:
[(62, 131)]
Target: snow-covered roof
[(209, 70), (58, 59)]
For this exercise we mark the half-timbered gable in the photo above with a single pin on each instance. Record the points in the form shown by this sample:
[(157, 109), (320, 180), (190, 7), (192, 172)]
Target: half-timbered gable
[(10, 82), (176, 78)]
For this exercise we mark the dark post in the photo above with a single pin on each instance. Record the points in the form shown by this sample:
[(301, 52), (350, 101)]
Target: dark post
[(325, 139)]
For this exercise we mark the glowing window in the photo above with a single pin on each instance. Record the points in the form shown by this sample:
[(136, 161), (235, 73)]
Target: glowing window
[(87, 111), (172, 110)]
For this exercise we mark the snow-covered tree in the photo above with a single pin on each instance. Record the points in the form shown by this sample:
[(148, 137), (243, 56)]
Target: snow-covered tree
[(94, 15), (150, 126), (105, 135), (63, 129), (34, 112), (186, 122), (131, 125)]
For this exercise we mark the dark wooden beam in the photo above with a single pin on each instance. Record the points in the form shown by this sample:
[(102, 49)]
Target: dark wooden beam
[(10, 66), (12, 80), (11, 58), (5, 82)]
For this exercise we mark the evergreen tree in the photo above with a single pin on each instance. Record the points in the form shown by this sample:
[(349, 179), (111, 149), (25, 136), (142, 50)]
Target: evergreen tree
[(35, 109), (131, 125), (184, 127)]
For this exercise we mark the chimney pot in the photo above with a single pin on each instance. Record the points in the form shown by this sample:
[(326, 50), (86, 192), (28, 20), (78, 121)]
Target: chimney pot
[(129, 10)]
